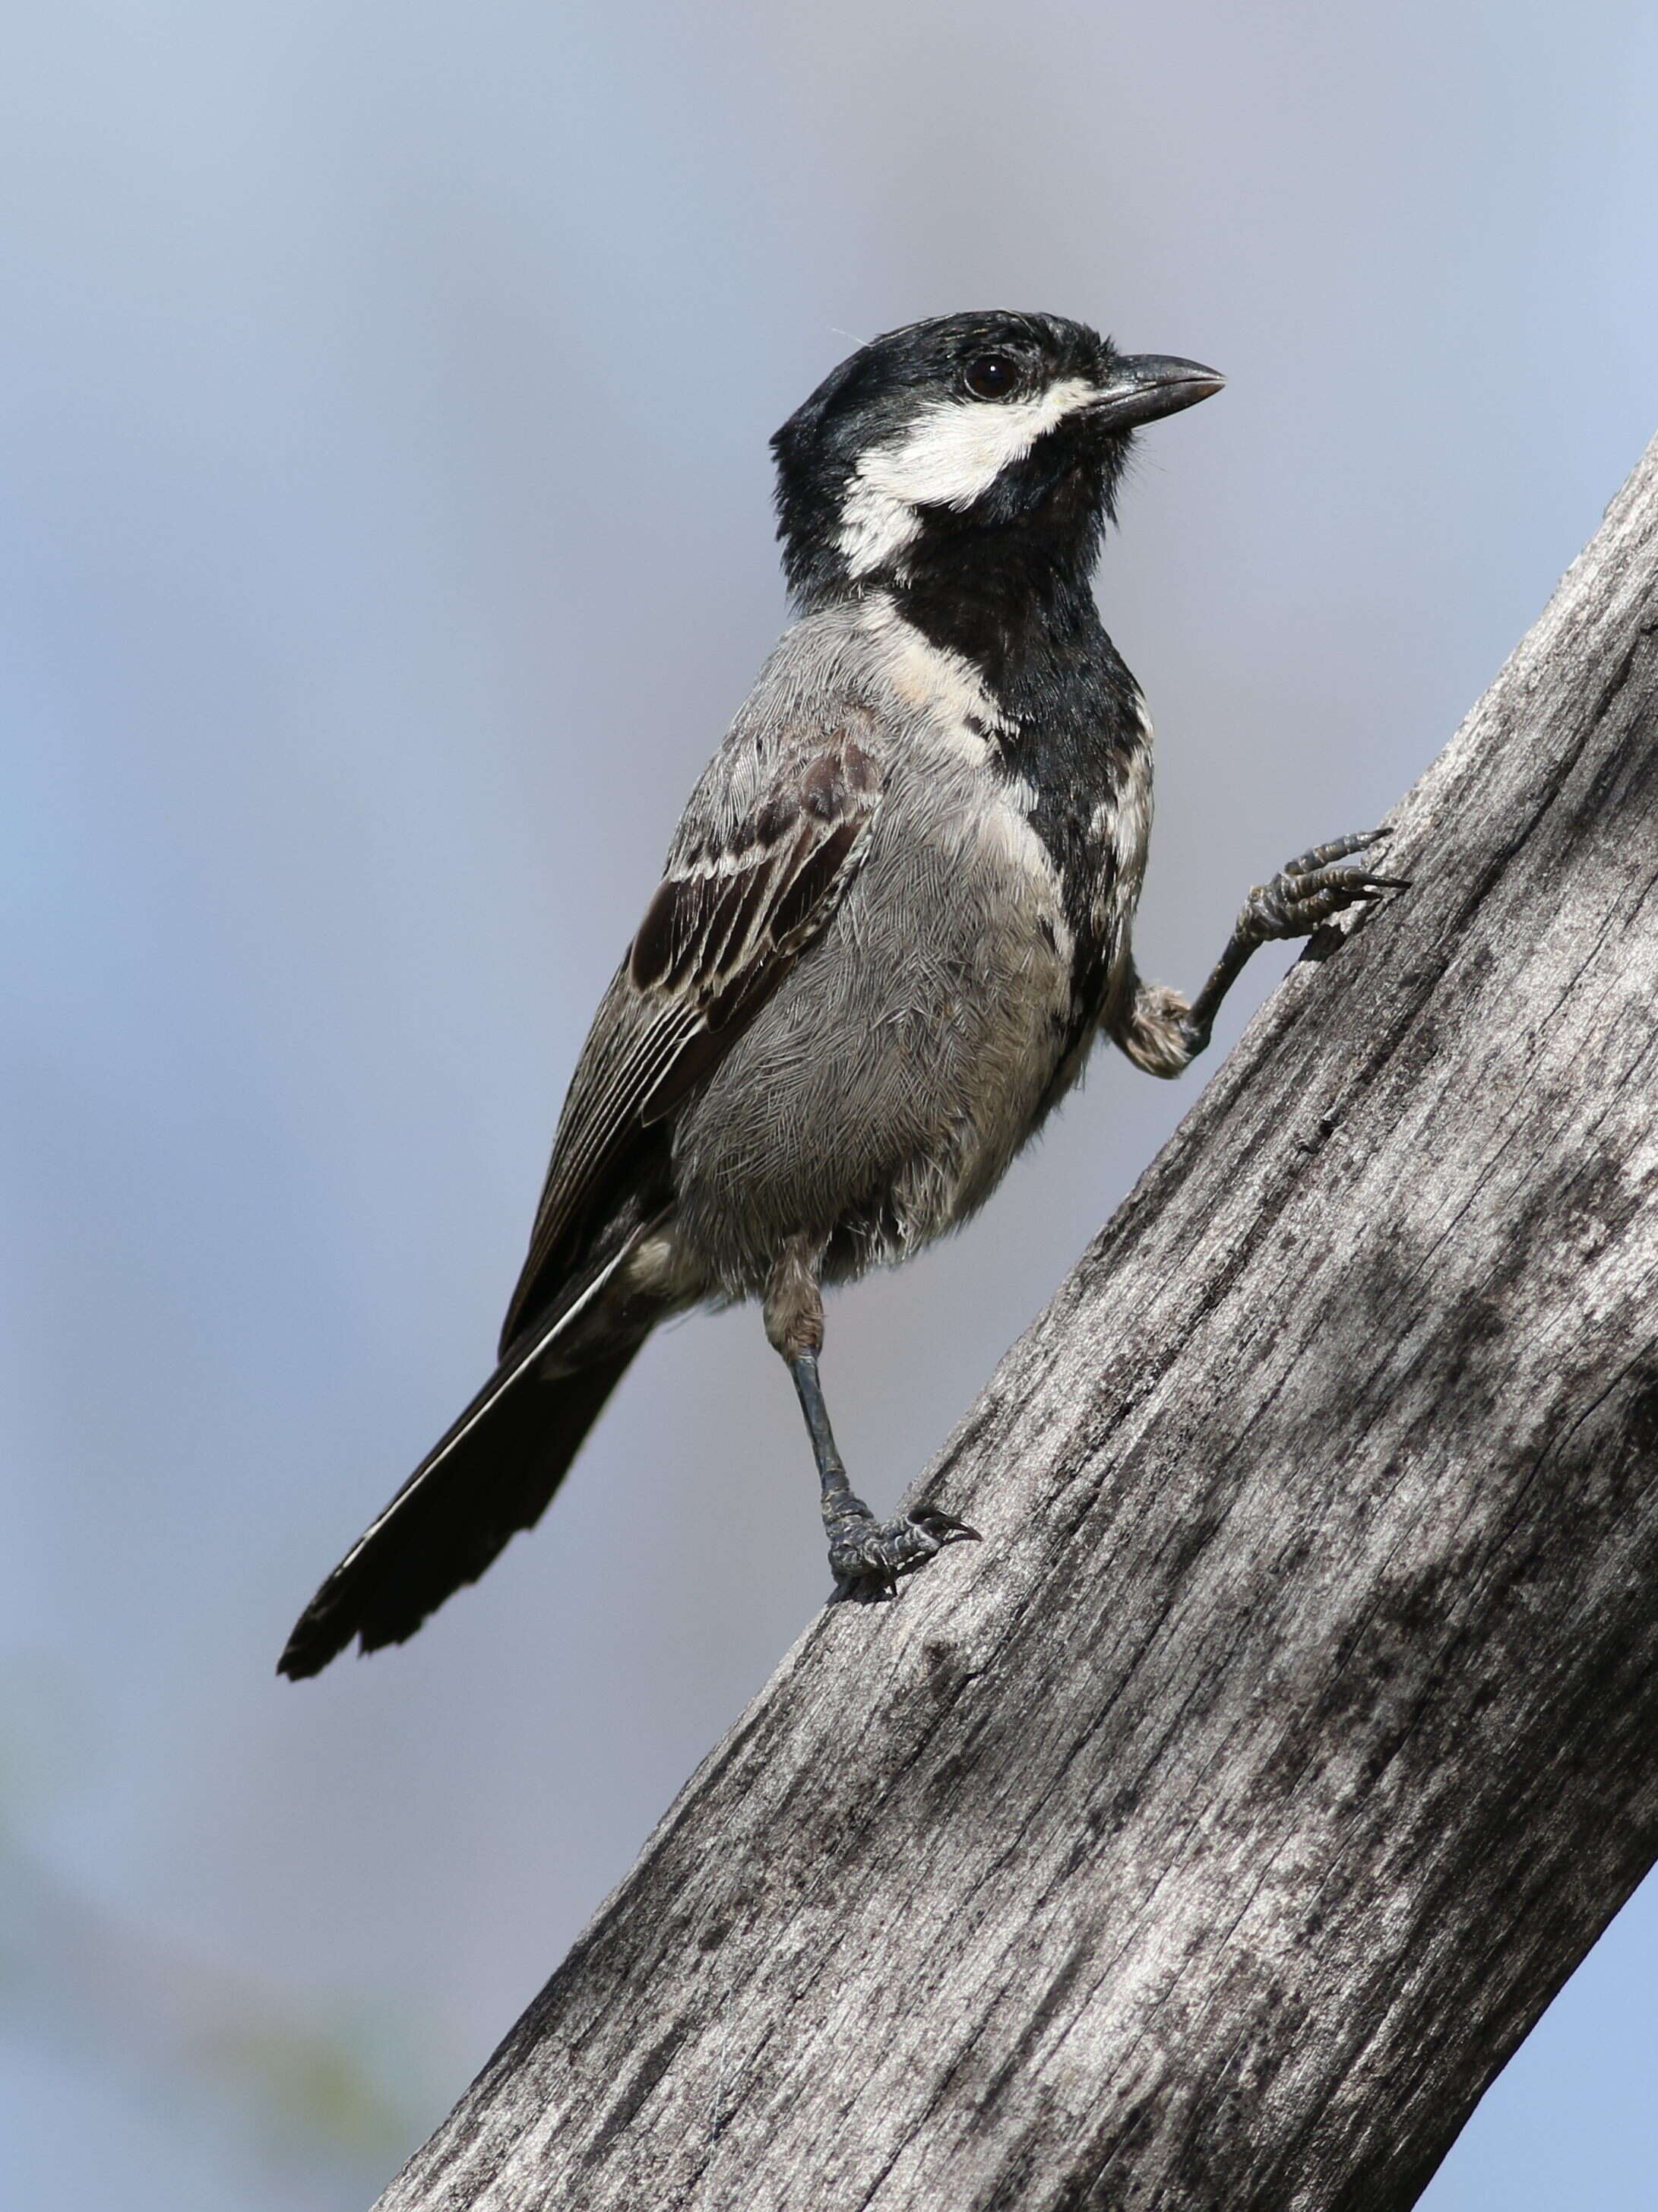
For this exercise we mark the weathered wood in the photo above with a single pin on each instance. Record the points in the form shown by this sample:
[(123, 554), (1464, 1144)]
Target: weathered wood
[(1211, 1833)]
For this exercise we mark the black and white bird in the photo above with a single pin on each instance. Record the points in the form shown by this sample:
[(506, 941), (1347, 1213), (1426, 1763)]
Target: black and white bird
[(894, 918)]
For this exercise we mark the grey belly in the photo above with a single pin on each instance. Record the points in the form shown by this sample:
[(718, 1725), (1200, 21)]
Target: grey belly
[(880, 1096)]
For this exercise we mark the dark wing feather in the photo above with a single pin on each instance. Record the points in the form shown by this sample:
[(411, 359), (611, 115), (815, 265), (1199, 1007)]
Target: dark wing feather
[(724, 927)]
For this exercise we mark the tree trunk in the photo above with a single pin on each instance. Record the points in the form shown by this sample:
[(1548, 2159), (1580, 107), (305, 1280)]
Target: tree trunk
[(1210, 1835)]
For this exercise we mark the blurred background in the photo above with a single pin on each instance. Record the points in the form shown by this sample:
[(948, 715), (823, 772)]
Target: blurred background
[(385, 543)]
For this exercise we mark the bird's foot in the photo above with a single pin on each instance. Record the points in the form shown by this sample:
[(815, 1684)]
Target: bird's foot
[(868, 1556), (1311, 891)]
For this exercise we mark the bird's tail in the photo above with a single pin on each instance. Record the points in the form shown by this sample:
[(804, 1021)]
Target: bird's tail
[(491, 1475)]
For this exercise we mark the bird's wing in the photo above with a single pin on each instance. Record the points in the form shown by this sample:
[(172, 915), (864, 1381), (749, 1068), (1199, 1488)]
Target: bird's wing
[(734, 912)]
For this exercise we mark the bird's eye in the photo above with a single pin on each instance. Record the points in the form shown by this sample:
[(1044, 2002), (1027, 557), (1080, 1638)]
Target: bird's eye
[(991, 375)]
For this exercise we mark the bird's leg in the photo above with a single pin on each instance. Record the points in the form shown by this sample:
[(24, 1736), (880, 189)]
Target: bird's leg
[(1161, 1032), (866, 1556)]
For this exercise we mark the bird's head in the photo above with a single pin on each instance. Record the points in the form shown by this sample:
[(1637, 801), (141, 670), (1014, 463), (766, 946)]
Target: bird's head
[(927, 442)]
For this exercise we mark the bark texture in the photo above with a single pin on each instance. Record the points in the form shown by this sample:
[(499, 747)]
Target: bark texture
[(1211, 1834)]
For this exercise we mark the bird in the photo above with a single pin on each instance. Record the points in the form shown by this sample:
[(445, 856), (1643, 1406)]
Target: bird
[(896, 917)]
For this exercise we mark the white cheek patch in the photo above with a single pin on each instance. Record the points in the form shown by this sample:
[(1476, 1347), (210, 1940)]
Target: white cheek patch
[(950, 458)]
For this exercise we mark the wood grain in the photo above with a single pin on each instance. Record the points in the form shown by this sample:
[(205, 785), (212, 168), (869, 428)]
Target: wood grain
[(1211, 1833)]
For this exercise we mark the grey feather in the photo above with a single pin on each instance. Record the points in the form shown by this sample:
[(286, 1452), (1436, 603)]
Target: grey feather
[(876, 1095)]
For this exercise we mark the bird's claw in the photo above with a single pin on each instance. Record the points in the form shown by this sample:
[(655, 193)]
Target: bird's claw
[(1338, 848), (868, 1556), (1312, 890)]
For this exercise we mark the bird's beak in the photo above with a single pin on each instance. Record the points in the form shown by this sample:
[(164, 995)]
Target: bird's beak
[(1138, 387)]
